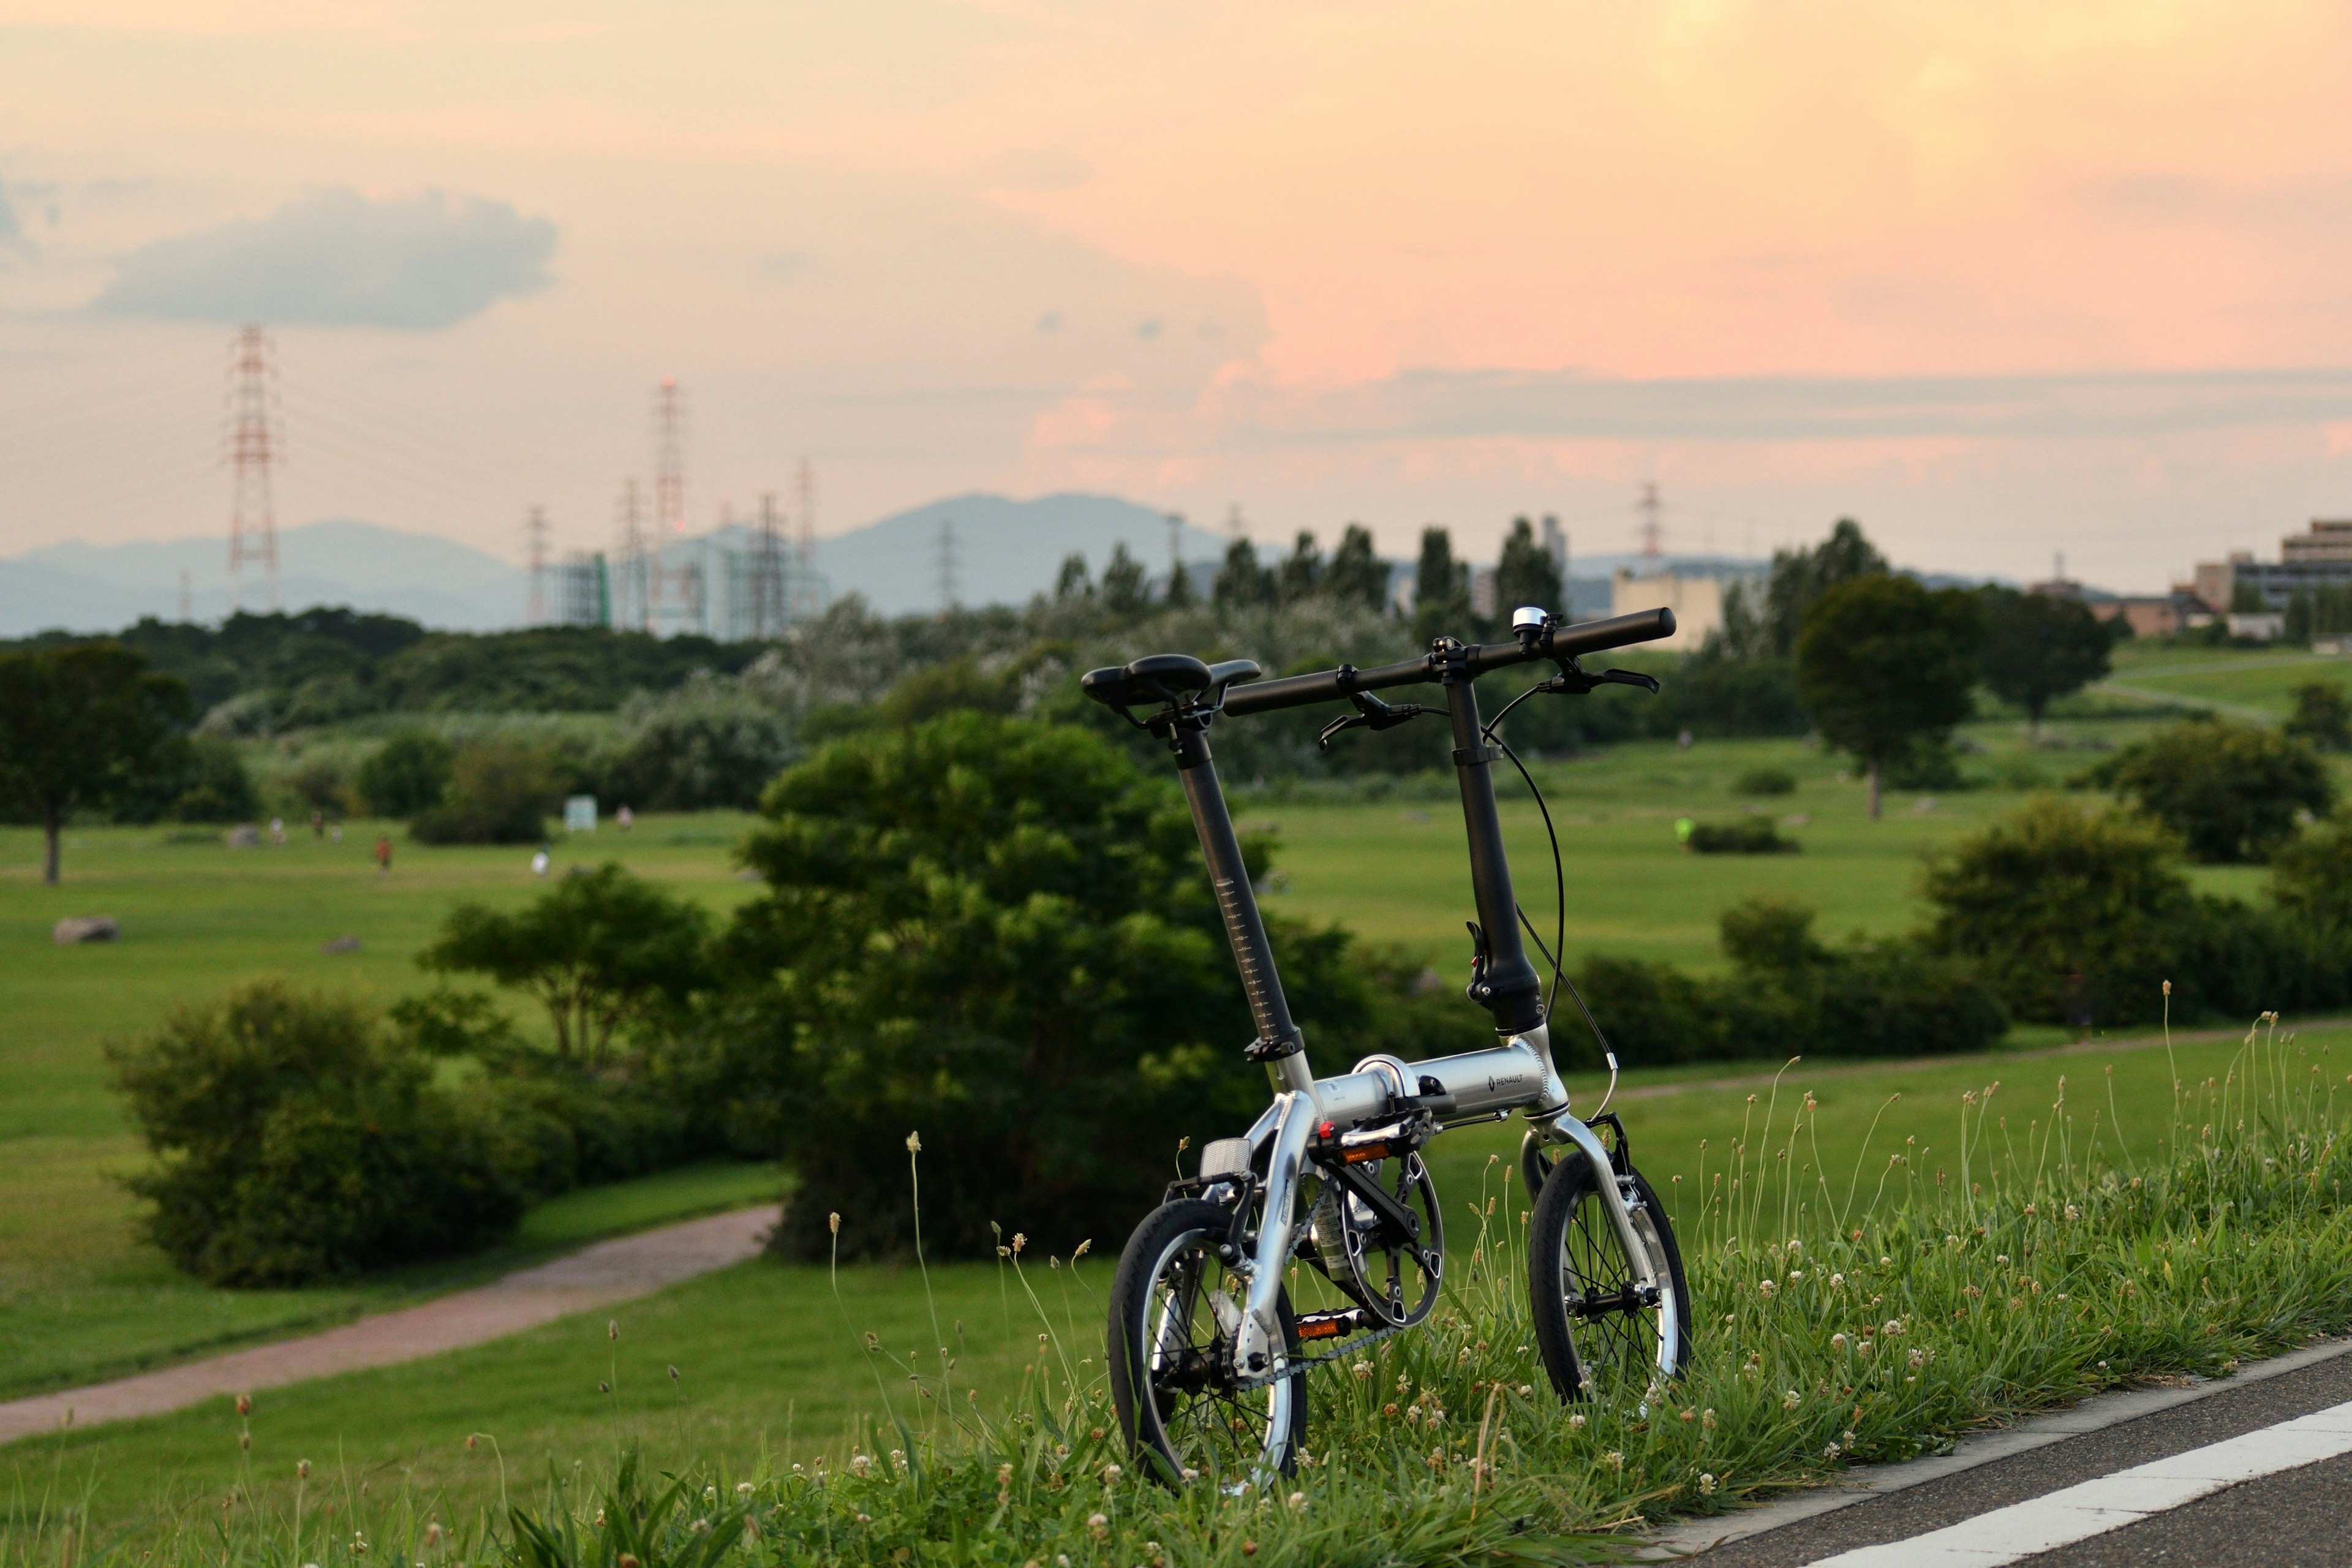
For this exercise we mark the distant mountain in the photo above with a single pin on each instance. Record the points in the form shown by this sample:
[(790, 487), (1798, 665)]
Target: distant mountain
[(1005, 550), (90, 588)]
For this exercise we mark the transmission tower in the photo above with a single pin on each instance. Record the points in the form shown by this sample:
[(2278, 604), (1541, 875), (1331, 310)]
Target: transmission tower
[(1649, 507), (632, 595), (948, 584), (805, 607), (768, 575), (670, 458), (187, 602), (535, 532), (254, 445)]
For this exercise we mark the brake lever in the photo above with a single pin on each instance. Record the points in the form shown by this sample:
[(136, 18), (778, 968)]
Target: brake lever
[(1370, 712), (1574, 682)]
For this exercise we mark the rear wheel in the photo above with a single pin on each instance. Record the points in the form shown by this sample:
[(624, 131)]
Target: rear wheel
[(1600, 1338), (1174, 1309)]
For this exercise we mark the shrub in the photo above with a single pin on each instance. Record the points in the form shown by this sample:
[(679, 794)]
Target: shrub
[(1745, 836), (1765, 781), (296, 1138), (499, 792), (707, 744), (2232, 792), (319, 784), (962, 911), (2310, 877), (1791, 995), (408, 774), (2066, 914), (199, 778), (2322, 716)]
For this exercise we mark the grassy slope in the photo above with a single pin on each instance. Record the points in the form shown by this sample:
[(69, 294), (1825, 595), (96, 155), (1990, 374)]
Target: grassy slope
[(2244, 683), (766, 1359)]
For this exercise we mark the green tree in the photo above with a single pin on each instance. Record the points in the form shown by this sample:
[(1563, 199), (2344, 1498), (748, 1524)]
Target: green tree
[(2039, 648), (80, 726), (1526, 575), (2065, 913), (1300, 575), (1883, 666), (2322, 716), (1242, 581), (1125, 590), (961, 912), (2230, 791), (1357, 574), (1800, 576), (1441, 597), (1181, 594), (599, 952), (408, 774), (1072, 582), (708, 743)]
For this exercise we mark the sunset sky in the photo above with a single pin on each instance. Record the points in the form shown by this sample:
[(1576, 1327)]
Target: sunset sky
[(1999, 280)]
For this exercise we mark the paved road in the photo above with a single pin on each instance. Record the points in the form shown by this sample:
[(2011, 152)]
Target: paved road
[(2251, 1473), (598, 1276)]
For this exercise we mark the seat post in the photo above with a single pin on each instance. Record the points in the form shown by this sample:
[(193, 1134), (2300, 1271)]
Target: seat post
[(1280, 1044)]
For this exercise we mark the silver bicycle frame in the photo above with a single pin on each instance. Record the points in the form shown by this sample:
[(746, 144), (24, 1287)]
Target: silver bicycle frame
[(1517, 1075)]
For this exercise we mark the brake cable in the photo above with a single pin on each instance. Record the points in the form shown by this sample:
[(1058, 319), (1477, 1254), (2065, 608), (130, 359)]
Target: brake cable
[(1556, 958)]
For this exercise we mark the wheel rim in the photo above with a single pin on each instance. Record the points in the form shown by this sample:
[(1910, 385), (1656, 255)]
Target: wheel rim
[(1194, 1415), (1621, 1344)]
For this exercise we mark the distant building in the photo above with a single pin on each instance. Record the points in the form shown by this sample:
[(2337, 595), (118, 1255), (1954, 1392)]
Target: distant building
[(2319, 558), (1695, 599), (728, 583), (2155, 615)]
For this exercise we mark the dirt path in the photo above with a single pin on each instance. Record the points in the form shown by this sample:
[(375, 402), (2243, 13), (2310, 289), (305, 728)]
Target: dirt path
[(598, 1276)]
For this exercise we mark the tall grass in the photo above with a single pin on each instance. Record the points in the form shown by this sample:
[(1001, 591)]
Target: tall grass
[(1871, 1312)]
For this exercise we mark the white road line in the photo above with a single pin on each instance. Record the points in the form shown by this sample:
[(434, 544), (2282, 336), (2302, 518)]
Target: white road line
[(2110, 1503)]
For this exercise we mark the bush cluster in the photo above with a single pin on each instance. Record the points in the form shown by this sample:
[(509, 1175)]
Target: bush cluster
[(1741, 836), (1788, 993), (299, 1137)]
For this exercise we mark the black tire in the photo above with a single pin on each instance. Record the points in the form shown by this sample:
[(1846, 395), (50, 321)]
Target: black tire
[(1182, 1415), (1598, 1344)]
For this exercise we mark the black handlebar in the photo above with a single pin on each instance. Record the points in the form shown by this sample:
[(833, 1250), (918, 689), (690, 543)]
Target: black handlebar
[(1555, 642)]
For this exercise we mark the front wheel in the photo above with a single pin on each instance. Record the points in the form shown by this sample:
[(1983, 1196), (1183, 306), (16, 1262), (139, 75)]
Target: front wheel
[(1602, 1339), (1174, 1311)]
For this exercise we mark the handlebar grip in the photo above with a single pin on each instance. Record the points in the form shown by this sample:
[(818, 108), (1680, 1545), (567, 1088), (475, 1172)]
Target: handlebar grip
[(1617, 631)]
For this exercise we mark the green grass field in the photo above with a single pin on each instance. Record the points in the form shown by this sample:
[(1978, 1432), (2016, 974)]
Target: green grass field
[(764, 1353)]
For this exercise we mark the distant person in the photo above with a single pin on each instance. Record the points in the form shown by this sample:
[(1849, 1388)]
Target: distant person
[(384, 855), (1683, 740), (538, 864), (335, 834), (317, 825), (278, 831), (1683, 828), (622, 818)]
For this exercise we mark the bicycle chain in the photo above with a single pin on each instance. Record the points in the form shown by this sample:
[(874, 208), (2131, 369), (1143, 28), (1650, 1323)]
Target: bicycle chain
[(1308, 1364)]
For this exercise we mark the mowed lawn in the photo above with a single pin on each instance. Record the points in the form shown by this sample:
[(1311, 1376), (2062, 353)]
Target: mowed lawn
[(770, 1365), (1395, 871)]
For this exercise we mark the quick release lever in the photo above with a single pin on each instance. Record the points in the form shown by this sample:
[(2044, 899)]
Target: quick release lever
[(1372, 714)]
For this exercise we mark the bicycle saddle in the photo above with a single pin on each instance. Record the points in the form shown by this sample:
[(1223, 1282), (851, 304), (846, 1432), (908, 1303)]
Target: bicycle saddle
[(1164, 678)]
